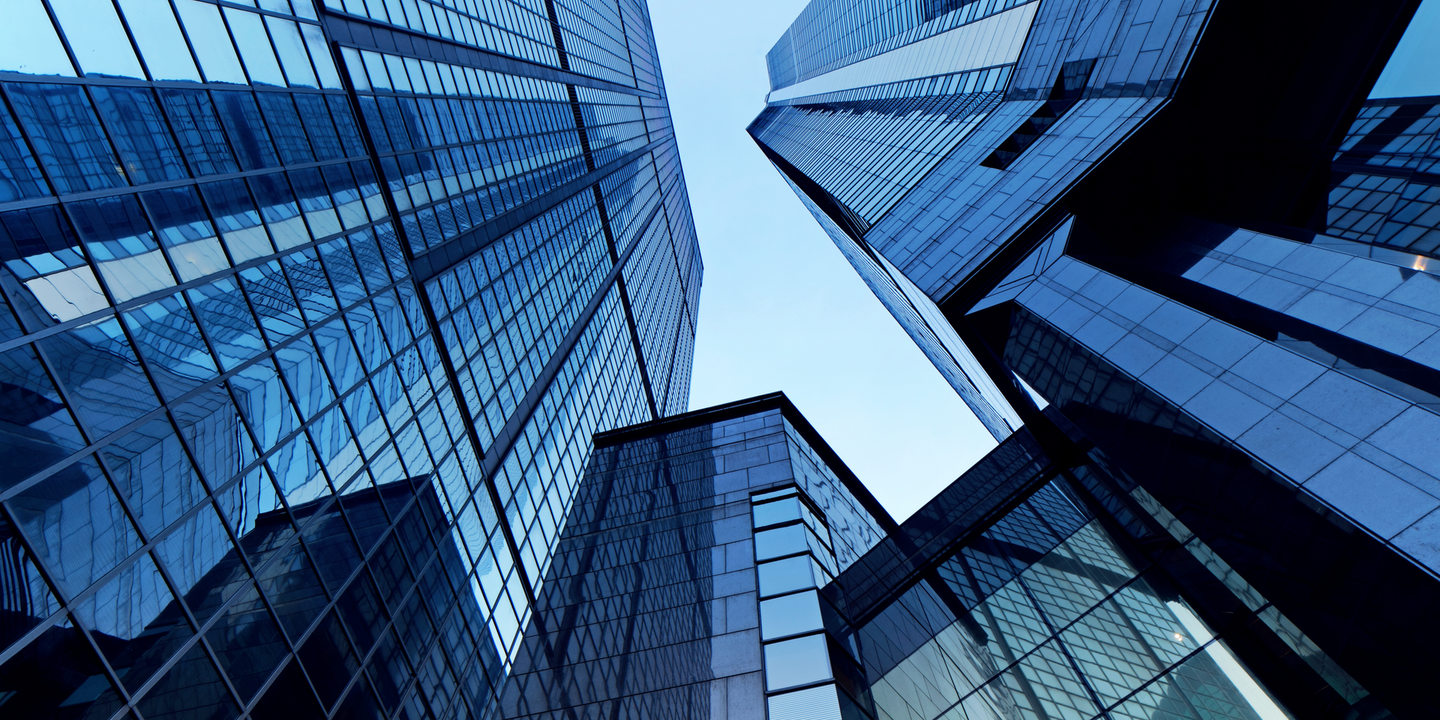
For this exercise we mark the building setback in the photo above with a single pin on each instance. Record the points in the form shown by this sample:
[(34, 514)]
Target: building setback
[(310, 313), (1177, 240)]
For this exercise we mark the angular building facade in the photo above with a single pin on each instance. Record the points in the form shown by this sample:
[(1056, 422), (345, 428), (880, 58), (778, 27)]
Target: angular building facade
[(1178, 240), (725, 564), (652, 608), (310, 313)]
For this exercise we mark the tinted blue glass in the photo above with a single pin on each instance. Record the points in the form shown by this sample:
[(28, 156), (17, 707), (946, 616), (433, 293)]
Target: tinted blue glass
[(186, 232), (170, 341), (67, 136), (141, 134), (315, 118), (286, 128), (19, 175), (333, 381), (237, 220), (120, 241), (248, 135), (198, 128)]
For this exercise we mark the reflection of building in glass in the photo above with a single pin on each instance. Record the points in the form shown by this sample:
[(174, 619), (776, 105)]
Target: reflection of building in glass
[(1177, 241), (309, 316), (725, 564)]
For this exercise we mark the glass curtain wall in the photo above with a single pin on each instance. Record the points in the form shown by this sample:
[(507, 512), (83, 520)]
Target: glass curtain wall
[(305, 332)]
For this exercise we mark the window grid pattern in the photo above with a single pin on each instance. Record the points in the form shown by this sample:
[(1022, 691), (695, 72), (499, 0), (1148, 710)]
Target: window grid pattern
[(867, 153), (599, 388), (640, 42), (652, 549), (595, 39), (1072, 630), (834, 33), (504, 312), (279, 45), (298, 375), (459, 147), (1388, 177), (243, 483), (793, 558), (518, 29)]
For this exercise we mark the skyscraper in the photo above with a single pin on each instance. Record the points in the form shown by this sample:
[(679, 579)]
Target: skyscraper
[(725, 564), (1177, 240), (309, 316), (652, 607)]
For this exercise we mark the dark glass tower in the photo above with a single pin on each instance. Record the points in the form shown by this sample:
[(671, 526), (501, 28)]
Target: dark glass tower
[(309, 315), (1177, 240), (724, 564), (653, 606)]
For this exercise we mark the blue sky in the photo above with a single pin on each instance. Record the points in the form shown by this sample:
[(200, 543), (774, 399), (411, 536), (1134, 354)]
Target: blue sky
[(781, 309), (1414, 69)]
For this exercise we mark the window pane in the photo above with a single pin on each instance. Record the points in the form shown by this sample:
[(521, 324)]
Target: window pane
[(254, 47), (247, 131), (784, 576), (19, 174), (186, 233), (781, 541), (790, 615), (28, 43), (158, 35), (292, 51), (97, 38), (796, 662), (67, 136), (140, 134), (211, 41), (817, 703), (119, 240), (198, 129), (777, 512)]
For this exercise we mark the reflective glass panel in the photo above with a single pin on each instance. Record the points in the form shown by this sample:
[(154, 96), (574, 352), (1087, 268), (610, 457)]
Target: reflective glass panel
[(779, 542), (211, 41), (156, 31), (97, 38), (28, 43), (782, 576), (255, 48), (796, 662), (790, 615), (774, 513)]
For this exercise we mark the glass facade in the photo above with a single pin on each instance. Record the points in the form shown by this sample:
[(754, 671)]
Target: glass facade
[(1047, 613), (1385, 188), (725, 564), (687, 582), (310, 313), (1217, 293)]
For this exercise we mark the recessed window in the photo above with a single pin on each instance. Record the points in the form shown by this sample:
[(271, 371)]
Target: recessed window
[(1069, 87)]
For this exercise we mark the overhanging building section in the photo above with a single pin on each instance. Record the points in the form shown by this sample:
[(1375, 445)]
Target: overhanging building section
[(1200, 280), (724, 564)]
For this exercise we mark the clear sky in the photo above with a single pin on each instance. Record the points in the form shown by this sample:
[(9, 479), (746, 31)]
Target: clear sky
[(781, 308), (1414, 69)]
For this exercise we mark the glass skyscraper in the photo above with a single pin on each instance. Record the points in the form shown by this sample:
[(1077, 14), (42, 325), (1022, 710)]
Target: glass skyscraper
[(310, 313), (724, 564), (1178, 241)]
